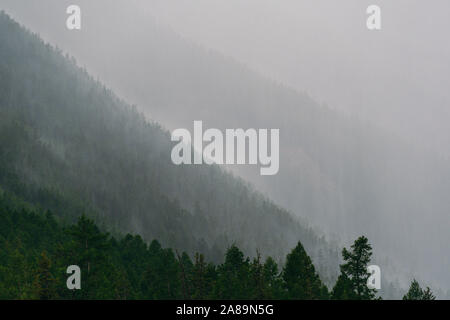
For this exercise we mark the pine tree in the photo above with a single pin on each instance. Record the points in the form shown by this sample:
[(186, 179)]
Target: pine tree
[(233, 276), (300, 277), (343, 289), (258, 282), (44, 282), (199, 278), (122, 286), (428, 295), (352, 284), (203, 278), (273, 279), (185, 274), (89, 249), (90, 243), (415, 292), (161, 278)]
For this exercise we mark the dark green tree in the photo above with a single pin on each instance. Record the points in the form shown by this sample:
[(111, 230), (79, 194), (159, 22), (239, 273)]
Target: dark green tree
[(44, 282), (428, 295), (89, 249), (300, 277), (233, 276), (343, 289), (415, 292), (161, 279), (185, 274), (257, 279), (353, 280), (273, 280), (204, 278)]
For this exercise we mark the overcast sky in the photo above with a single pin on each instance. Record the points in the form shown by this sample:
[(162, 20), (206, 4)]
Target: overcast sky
[(397, 76)]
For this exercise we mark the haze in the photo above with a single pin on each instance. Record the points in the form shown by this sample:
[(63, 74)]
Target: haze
[(389, 88)]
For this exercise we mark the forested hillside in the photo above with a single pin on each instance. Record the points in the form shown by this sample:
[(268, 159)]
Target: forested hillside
[(69, 145), (36, 251), (344, 175)]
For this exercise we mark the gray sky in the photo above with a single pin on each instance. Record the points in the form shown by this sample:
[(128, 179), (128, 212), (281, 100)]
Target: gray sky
[(397, 77)]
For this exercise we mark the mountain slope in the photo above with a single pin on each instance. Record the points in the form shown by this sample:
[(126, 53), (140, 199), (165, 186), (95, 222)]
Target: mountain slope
[(346, 176), (70, 145)]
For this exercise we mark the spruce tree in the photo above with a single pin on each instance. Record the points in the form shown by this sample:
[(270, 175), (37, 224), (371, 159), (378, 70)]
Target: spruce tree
[(44, 282), (233, 276), (415, 292), (257, 279), (299, 275), (352, 284), (161, 279), (273, 279), (200, 282), (89, 249), (343, 289)]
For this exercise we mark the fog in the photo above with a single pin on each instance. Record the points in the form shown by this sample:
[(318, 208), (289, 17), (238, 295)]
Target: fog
[(396, 77), (362, 114)]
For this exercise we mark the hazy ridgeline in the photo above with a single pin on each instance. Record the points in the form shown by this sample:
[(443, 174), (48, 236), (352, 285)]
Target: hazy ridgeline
[(69, 145), (345, 175)]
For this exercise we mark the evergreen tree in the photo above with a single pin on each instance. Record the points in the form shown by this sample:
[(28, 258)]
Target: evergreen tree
[(44, 283), (258, 281), (300, 277), (353, 280), (233, 276), (273, 279), (161, 278), (185, 273), (343, 289), (415, 292), (200, 281), (428, 295), (89, 249)]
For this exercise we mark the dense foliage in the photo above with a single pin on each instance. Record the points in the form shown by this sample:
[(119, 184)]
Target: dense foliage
[(415, 292), (35, 251), (352, 282)]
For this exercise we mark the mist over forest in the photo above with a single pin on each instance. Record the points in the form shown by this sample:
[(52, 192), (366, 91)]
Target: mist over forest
[(363, 119)]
